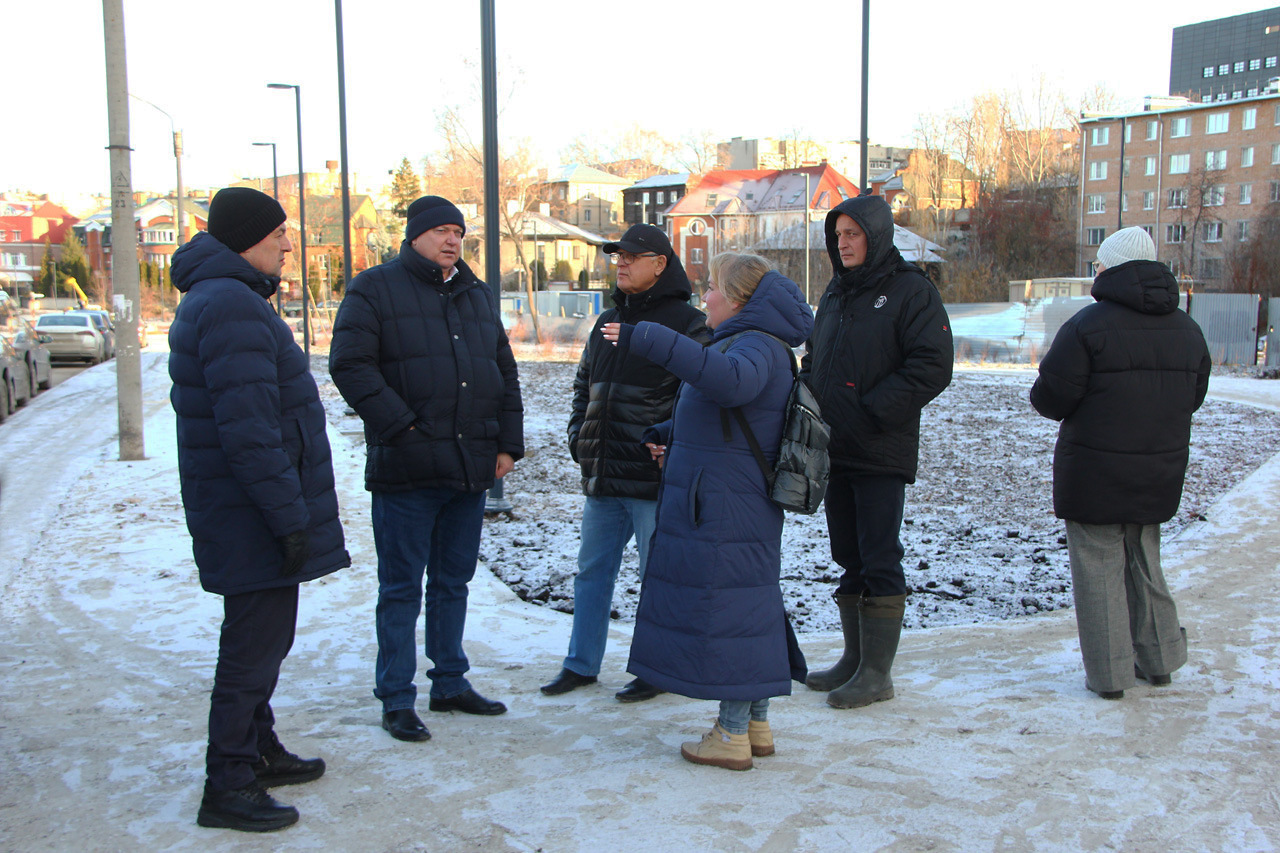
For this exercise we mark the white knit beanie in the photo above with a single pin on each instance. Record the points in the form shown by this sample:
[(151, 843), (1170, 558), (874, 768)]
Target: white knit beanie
[(1127, 244)]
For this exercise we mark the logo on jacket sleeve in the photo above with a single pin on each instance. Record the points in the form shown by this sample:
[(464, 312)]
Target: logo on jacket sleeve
[(880, 301)]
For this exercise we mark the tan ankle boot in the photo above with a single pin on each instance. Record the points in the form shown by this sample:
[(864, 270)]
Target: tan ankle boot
[(719, 748), (761, 738)]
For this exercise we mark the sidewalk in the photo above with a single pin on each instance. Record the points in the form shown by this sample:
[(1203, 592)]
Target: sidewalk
[(993, 742)]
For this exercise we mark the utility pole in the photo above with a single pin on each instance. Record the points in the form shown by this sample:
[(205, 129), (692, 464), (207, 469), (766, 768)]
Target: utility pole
[(806, 238), (342, 150), (865, 187), (124, 232)]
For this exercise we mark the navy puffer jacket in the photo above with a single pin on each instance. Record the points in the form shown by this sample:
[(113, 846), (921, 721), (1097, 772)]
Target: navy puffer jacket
[(1124, 376), (411, 350), (253, 454), (881, 349), (711, 623)]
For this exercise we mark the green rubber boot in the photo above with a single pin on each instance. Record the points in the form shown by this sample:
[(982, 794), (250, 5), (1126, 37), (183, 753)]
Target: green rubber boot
[(829, 679), (881, 627)]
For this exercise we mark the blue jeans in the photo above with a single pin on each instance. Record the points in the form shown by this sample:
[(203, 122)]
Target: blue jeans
[(437, 530), (736, 713), (607, 526)]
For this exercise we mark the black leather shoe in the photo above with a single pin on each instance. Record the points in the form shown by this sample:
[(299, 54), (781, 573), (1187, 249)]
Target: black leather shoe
[(248, 809), (468, 702), (564, 682), (404, 724), (278, 766), (637, 691), (1153, 680)]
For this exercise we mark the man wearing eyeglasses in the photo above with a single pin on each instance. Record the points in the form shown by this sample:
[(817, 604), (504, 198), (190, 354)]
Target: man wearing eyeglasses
[(615, 397)]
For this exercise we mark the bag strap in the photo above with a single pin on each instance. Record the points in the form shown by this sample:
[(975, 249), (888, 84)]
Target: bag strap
[(742, 419)]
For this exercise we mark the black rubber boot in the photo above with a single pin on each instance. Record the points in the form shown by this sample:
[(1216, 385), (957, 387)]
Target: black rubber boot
[(881, 627), (829, 679)]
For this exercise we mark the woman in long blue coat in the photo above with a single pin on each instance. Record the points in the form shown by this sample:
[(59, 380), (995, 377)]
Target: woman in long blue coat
[(711, 622)]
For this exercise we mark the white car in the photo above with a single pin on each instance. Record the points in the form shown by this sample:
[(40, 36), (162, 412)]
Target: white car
[(73, 336)]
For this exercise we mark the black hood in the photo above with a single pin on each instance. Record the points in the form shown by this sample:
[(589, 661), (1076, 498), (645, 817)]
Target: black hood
[(672, 284), (1145, 286), (204, 258), (875, 218)]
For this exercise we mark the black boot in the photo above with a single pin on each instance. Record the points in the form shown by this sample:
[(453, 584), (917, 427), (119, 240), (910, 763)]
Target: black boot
[(829, 679), (881, 627), (278, 766), (248, 809)]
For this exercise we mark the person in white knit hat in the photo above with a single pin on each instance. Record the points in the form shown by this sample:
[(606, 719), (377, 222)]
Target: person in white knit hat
[(1123, 376)]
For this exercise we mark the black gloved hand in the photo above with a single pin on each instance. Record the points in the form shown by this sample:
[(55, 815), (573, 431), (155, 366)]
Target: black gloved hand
[(297, 548)]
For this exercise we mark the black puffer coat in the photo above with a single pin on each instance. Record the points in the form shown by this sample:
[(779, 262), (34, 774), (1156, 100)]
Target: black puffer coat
[(617, 394), (253, 454), (410, 350), (880, 350), (1124, 376)]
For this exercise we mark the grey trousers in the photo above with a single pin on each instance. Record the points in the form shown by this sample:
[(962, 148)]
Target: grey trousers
[(1124, 611)]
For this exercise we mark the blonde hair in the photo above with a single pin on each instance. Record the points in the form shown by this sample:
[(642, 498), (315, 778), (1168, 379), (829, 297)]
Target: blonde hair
[(737, 274)]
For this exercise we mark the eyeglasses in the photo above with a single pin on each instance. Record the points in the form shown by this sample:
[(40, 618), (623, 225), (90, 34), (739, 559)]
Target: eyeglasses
[(625, 259)]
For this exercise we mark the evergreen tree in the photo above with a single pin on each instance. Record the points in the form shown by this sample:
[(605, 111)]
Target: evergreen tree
[(48, 271), (405, 188)]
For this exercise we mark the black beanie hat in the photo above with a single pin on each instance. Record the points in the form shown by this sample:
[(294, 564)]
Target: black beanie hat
[(241, 217), (430, 211)]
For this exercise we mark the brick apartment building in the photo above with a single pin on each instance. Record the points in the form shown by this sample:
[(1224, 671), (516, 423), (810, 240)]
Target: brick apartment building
[(1195, 176)]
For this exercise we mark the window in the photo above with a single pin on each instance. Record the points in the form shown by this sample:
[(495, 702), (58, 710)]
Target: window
[(1246, 157), (1124, 202), (1153, 129), (1253, 92), (1101, 135), (1097, 204), (1179, 164), (1222, 96), (1179, 127), (1215, 196), (1275, 190), (1098, 170), (1217, 122), (1094, 236), (1275, 153), (1149, 167), (1250, 120), (1242, 231), (1255, 64), (1271, 62), (3, 238), (1149, 200), (1215, 159), (1208, 71), (1277, 121), (586, 214), (695, 256), (1151, 231), (1128, 133), (1175, 233), (1224, 69), (1178, 197), (1235, 96), (662, 198), (1125, 169), (1237, 68), (1211, 267), (577, 252), (662, 220), (711, 200), (1246, 193), (644, 199)]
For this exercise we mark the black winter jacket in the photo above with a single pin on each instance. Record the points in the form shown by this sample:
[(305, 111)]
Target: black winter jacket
[(880, 350), (411, 350), (617, 394), (1124, 376), (253, 454)]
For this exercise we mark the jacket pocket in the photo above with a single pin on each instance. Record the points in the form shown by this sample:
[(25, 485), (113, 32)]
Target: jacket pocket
[(695, 499)]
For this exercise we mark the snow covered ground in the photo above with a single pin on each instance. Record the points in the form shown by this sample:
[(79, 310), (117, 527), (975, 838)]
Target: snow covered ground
[(992, 743)]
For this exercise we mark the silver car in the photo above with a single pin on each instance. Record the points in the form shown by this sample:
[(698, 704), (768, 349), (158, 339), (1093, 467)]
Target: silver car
[(72, 336), (101, 319)]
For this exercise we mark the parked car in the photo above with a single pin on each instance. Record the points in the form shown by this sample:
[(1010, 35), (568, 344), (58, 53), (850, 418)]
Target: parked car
[(15, 384), (101, 319), (30, 346), (72, 336)]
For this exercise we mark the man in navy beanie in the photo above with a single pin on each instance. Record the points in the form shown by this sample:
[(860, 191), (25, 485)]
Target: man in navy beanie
[(257, 488), (420, 353)]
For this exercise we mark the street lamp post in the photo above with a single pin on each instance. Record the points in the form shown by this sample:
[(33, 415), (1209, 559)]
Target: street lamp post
[(179, 237), (275, 193), (302, 218)]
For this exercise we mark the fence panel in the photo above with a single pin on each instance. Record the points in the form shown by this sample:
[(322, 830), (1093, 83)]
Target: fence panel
[(1230, 325)]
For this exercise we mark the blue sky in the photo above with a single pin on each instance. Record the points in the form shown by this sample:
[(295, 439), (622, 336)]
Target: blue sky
[(566, 69)]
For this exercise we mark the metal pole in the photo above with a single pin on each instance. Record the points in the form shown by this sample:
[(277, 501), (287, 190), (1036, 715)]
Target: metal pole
[(342, 152), (124, 231), (494, 502), (275, 193), (302, 232), (864, 187), (177, 159), (806, 238)]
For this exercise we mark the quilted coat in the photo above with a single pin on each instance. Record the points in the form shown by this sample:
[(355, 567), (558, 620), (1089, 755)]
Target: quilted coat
[(253, 454), (711, 622)]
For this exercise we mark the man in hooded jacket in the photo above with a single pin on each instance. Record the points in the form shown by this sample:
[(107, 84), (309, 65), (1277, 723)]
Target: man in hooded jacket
[(1124, 376), (257, 488), (880, 351), (616, 396)]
